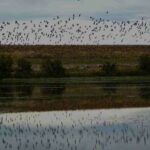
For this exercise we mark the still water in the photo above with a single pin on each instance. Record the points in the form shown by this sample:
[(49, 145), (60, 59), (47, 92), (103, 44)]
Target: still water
[(69, 94), (38, 128), (113, 129), (72, 89)]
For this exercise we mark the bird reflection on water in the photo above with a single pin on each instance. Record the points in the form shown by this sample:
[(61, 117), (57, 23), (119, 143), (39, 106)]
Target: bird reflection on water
[(65, 130)]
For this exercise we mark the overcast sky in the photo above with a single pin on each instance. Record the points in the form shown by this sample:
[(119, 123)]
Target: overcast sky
[(38, 9)]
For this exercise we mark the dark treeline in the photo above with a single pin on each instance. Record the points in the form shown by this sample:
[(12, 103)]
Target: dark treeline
[(111, 69), (23, 68)]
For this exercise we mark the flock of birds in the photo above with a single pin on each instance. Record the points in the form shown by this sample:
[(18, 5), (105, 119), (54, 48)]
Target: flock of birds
[(75, 30), (76, 130)]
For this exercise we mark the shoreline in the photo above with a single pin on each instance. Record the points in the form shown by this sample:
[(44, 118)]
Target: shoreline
[(96, 79)]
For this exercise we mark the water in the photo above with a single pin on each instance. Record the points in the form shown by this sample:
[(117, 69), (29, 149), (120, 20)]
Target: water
[(112, 129), (56, 89), (73, 94), (38, 128)]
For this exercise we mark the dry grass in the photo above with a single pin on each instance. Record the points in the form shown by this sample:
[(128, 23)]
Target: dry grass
[(79, 54)]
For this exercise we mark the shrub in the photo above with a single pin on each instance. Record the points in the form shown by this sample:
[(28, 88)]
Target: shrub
[(53, 68), (24, 68), (109, 69), (6, 63), (144, 64)]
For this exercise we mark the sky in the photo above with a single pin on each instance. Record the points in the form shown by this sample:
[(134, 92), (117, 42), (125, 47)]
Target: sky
[(42, 9)]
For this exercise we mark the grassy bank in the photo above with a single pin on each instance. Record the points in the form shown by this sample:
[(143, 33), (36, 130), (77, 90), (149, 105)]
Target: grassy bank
[(80, 61)]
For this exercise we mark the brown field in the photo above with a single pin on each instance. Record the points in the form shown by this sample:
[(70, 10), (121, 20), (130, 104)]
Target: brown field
[(79, 54)]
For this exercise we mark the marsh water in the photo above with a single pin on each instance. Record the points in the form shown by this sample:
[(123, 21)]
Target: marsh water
[(56, 89), (73, 92), (112, 129), (33, 125)]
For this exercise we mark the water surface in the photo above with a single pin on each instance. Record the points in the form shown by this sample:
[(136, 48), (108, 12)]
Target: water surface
[(71, 94), (112, 129)]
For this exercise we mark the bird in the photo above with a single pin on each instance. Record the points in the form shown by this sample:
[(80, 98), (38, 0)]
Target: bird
[(72, 30)]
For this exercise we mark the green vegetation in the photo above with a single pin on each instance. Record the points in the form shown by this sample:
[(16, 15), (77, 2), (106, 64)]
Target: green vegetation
[(109, 69), (23, 69), (6, 63), (78, 61), (144, 64), (52, 68)]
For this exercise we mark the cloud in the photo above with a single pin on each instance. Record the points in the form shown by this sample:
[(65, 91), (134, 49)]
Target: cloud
[(33, 8)]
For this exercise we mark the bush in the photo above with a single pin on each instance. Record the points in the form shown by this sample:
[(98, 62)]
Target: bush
[(24, 68), (53, 68), (144, 64), (109, 69), (6, 63)]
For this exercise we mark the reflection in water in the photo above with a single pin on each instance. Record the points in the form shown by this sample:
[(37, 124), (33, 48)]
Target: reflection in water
[(13, 91), (114, 129), (145, 92), (6, 91), (58, 90), (24, 90), (110, 89), (52, 89)]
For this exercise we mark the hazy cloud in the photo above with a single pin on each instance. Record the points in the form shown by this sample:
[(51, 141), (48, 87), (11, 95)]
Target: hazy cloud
[(23, 9)]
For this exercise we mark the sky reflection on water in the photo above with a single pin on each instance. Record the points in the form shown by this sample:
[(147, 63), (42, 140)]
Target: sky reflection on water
[(91, 130)]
